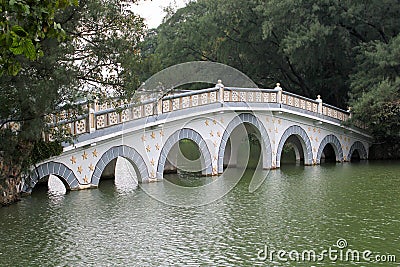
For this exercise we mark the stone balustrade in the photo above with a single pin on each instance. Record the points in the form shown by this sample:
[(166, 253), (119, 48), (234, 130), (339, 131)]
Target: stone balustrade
[(102, 115)]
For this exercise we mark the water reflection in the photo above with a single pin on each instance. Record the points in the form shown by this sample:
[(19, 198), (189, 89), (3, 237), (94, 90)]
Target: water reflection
[(295, 208), (125, 176), (55, 186), (188, 179), (175, 192)]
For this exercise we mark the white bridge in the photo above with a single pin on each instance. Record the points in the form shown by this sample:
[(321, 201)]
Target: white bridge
[(218, 120)]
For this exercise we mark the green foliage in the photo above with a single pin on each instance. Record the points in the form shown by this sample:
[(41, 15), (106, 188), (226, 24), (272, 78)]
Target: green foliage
[(375, 97), (345, 51), (43, 150), (190, 150), (379, 109), (23, 26), (255, 152), (104, 40), (81, 48), (258, 38), (253, 139), (288, 154), (251, 159), (218, 31), (308, 46)]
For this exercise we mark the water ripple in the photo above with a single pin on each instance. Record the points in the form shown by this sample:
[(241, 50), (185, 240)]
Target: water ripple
[(296, 208)]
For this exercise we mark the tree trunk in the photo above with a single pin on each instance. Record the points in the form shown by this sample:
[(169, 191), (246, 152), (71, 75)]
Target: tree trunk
[(9, 191), (10, 181)]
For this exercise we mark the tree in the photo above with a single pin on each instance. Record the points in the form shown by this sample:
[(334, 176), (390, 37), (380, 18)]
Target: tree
[(316, 50), (288, 41), (375, 95), (341, 47), (309, 46), (23, 27), (97, 57)]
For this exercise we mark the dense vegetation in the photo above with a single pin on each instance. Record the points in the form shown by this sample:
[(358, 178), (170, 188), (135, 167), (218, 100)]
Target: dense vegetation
[(53, 54), (346, 51), (56, 52)]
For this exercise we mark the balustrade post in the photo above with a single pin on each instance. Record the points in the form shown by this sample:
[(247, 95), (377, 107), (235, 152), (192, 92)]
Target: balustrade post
[(220, 86), (319, 101), (159, 106), (279, 96), (91, 121), (350, 112)]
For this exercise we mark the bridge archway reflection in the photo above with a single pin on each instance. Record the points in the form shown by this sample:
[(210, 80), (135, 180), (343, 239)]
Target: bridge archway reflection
[(330, 150), (328, 155), (357, 152), (42, 173), (124, 173), (53, 185), (243, 149), (172, 151), (184, 156), (300, 143), (292, 152), (237, 132), (107, 163)]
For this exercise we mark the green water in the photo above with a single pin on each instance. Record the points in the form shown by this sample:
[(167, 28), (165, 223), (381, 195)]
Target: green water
[(295, 208)]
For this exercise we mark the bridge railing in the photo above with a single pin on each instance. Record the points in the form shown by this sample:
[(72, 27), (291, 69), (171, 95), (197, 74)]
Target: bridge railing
[(315, 106), (299, 102), (334, 112), (286, 99), (250, 95), (103, 115), (189, 99)]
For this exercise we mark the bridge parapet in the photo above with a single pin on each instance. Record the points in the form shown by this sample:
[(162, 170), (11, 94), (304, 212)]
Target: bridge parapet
[(311, 105), (102, 115)]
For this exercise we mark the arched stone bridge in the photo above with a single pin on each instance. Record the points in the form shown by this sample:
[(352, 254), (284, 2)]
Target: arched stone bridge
[(218, 120)]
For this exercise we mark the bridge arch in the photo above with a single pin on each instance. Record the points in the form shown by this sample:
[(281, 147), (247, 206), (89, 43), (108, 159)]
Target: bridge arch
[(295, 130), (60, 170), (360, 148), (185, 133), (265, 142), (126, 152), (337, 147)]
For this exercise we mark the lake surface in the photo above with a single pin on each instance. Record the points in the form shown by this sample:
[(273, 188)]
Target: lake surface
[(296, 208)]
